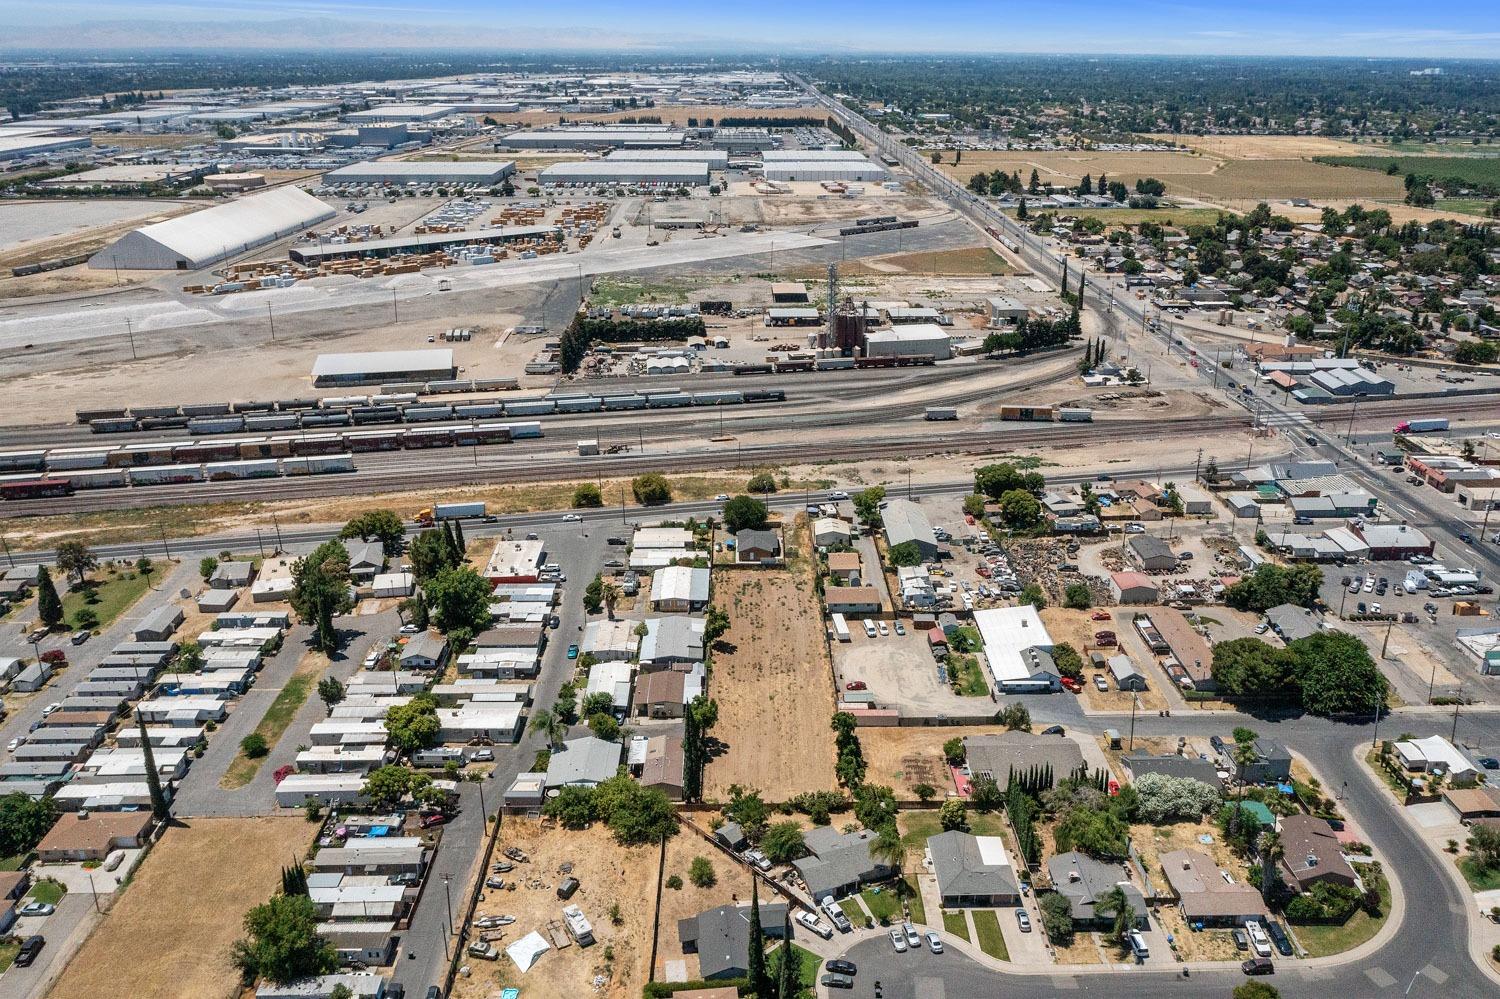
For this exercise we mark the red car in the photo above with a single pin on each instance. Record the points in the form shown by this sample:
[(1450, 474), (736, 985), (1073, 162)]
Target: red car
[(1105, 638), (969, 519), (435, 819), (984, 571), (1071, 685), (855, 685), (1101, 615)]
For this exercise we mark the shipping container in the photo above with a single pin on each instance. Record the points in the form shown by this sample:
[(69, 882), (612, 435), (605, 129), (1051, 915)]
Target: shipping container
[(424, 437), (130, 455), (158, 475), (1422, 426), (94, 478), (29, 488), (840, 628), (1032, 414), (373, 440), (455, 511), (263, 468), (520, 431), (318, 444), (483, 433), (23, 461)]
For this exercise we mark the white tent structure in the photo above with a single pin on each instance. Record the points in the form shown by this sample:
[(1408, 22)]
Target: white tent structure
[(526, 950), (194, 241)]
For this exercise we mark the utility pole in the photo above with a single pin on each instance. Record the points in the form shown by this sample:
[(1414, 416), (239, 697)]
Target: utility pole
[(165, 550), (277, 524), (1135, 699), (1197, 462), (130, 332), (11, 559), (1453, 736), (395, 308), (272, 320)]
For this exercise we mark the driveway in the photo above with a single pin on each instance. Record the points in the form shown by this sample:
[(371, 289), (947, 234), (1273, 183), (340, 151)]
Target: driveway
[(65, 931)]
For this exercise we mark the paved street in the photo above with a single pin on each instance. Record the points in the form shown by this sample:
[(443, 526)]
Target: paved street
[(65, 930)]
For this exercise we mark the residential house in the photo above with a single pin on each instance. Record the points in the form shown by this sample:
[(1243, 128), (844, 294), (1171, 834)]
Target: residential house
[(232, 575), (359, 985), (1292, 622), (839, 863), (721, 937), (1000, 755), (612, 679), (160, 624), (679, 589), (610, 641), (672, 640), (1137, 765), (366, 560), (585, 761), (829, 532), (1018, 649), (850, 600), (80, 836), (663, 764), (1152, 554), (1207, 894), (845, 567), (1083, 881), (1191, 658), (665, 693), (425, 651), (757, 546), (393, 584), (973, 872), (1311, 852), (1125, 673), (1436, 755)]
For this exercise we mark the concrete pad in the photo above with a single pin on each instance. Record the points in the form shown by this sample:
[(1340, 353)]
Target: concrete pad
[(676, 971), (1380, 977), (1432, 815)]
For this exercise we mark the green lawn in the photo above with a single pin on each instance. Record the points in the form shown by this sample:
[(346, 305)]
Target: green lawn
[(1479, 878), (991, 940), (14, 863), (9, 948), (275, 721), (921, 825), (808, 965), (115, 593), (1322, 941), (954, 925), (50, 892), (914, 900), (883, 903), (968, 676), (1465, 206), (851, 908)]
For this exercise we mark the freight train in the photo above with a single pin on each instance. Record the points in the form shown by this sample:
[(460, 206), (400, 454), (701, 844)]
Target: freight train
[(34, 474)]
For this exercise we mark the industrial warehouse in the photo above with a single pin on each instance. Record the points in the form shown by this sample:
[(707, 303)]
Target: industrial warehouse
[(375, 367), (716, 159), (609, 171), (401, 172), (425, 242), (616, 136), (206, 237), (857, 169)]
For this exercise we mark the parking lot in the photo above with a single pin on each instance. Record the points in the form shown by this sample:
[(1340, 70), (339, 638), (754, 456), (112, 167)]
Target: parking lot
[(901, 672)]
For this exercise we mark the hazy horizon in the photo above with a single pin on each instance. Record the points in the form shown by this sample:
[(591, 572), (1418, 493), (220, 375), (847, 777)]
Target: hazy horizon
[(1465, 29)]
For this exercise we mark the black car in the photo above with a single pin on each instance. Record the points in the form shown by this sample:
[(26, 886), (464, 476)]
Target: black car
[(1489, 763), (615, 541), (1279, 938), (837, 981), (1311, 441), (1258, 966), (1053, 730), (841, 967), (433, 992), (1241, 941), (29, 950), (395, 990)]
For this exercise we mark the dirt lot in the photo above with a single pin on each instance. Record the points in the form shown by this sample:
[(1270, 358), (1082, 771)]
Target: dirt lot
[(1152, 842), (1266, 147), (1058, 167), (772, 679), (1078, 628), (609, 874), (193, 890), (941, 263), (1274, 179), (732, 883), (906, 757)]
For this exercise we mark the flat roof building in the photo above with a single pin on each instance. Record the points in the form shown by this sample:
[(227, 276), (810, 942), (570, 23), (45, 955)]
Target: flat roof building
[(194, 241), (715, 159), (910, 340), (375, 367), (824, 170), (611, 171), (483, 172), (601, 137), (417, 242)]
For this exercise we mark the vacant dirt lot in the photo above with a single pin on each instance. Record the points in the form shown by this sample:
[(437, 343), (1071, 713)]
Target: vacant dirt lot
[(906, 757), (773, 682), (1274, 179), (731, 882), (187, 900), (609, 874), (1266, 147), (1070, 167)]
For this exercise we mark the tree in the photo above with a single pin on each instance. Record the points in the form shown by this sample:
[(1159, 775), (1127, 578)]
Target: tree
[(413, 725), (761, 482), (1098, 832), (1336, 674), (906, 553), (611, 594), (744, 513), (384, 526), (954, 814), (1248, 666), (887, 849), (49, 608), (460, 599), (1033, 594), (1020, 510), (550, 724), (715, 624), (593, 595), (320, 589), (786, 967), (635, 814), (75, 559), (1484, 846), (282, 942), (415, 611), (1271, 585), (24, 820), (573, 807), (867, 505), (587, 496), (1268, 846), (1114, 902), (1057, 918), (85, 619), (153, 776), (651, 489), (254, 746), (701, 873), (331, 691), (874, 805), (189, 658), (996, 480), (974, 505), (760, 983), (341, 991), (206, 566), (1067, 660), (1077, 596), (698, 717), (953, 751), (293, 880), (604, 726), (429, 554), (386, 786), (748, 810), (783, 843), (1164, 799), (1015, 718)]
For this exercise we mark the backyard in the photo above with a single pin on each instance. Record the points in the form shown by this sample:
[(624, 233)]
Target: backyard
[(114, 591)]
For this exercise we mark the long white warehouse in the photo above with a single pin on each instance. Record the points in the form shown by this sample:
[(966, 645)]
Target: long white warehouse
[(626, 172), (717, 159), (204, 238), (790, 170), (600, 137), (397, 172)]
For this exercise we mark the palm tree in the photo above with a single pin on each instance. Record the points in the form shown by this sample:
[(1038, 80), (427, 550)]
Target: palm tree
[(1114, 902), (611, 597), (549, 723), (888, 849), (1271, 851)]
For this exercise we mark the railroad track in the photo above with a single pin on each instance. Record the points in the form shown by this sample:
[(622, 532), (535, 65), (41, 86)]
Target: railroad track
[(405, 470)]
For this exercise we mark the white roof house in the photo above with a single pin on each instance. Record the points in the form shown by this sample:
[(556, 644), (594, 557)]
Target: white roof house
[(661, 537), (1435, 753), (610, 640), (679, 586), (1010, 633), (190, 242), (612, 678)]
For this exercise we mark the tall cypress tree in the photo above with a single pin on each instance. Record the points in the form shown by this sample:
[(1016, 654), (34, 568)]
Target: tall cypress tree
[(1065, 279), (458, 536), (153, 779), (48, 605), (760, 982), (787, 979)]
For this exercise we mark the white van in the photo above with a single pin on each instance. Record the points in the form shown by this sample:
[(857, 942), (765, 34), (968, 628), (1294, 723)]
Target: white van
[(1259, 941), (869, 629), (1138, 945)]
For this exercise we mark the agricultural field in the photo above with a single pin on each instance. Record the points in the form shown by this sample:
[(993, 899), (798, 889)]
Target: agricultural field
[(193, 891), (773, 683), (1262, 147), (1270, 180), (1469, 169)]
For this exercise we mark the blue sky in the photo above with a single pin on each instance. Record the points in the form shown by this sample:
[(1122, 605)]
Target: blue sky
[(1459, 28)]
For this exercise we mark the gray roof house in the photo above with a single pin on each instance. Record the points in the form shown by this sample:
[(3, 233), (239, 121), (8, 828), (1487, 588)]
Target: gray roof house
[(159, 625), (1151, 554), (1292, 622), (721, 937), (905, 521), (997, 755), (366, 559), (1172, 765), (972, 871), (840, 862), (232, 575), (756, 546), (585, 761), (424, 652), (1083, 881), (672, 640)]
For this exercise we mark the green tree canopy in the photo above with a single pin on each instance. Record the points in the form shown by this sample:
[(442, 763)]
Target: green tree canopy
[(586, 496), (413, 725), (1250, 666), (24, 820), (761, 482), (384, 526), (460, 598), (75, 559), (1271, 585), (282, 942), (783, 843), (1336, 674), (49, 608), (320, 590), (996, 480), (744, 513), (867, 505), (906, 553), (386, 786), (651, 489), (1020, 509)]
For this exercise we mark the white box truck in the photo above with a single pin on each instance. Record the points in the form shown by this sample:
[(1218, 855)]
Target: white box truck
[(840, 628)]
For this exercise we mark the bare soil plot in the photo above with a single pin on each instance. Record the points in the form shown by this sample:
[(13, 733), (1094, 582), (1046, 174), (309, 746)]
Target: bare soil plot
[(773, 681), (188, 898), (608, 875), (731, 883), (905, 757), (1276, 179), (969, 261), (1266, 147)]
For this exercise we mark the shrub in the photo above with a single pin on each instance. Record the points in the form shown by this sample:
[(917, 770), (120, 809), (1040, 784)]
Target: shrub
[(675, 883), (254, 746), (701, 873)]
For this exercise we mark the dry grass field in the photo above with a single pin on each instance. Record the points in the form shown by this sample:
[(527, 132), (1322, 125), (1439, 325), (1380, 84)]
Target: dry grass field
[(1264, 147), (1276, 179), (966, 262), (902, 758), (773, 682), (168, 936), (1068, 168)]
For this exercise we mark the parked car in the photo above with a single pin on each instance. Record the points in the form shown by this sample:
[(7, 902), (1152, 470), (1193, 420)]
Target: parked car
[(1101, 684), (1023, 920), (614, 541), (614, 563), (913, 938), (900, 628), (573, 652), (409, 629), (839, 967), (433, 820), (36, 909), (1489, 763), (884, 631), (79, 637), (855, 685), (1241, 942), (815, 924), (495, 882), (834, 981), (1071, 685), (49, 709), (835, 914), (29, 950), (1259, 941), (1054, 730), (15, 743), (484, 755), (1100, 615), (898, 940), (934, 942), (484, 949), (1279, 938), (1258, 966)]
